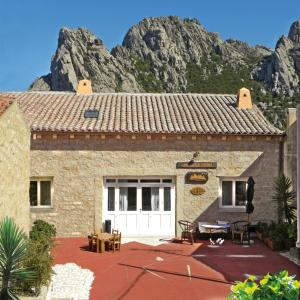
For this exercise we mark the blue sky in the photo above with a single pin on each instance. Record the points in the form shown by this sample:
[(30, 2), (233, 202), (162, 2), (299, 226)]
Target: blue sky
[(29, 28)]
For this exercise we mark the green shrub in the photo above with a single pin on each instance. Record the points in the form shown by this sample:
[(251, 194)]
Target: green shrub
[(261, 227), (272, 287), (42, 230), (285, 196), (269, 229), (38, 257)]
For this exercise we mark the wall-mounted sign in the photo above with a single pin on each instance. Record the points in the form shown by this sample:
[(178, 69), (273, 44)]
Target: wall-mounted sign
[(197, 191), (196, 165), (196, 177)]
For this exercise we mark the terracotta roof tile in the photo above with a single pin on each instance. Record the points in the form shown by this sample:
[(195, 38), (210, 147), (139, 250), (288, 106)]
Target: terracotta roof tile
[(141, 113), (5, 102)]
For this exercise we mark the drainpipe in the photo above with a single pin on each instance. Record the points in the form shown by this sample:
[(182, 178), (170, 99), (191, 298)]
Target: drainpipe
[(298, 177)]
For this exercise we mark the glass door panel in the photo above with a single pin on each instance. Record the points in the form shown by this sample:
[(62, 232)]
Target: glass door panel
[(128, 199), (150, 199), (167, 199)]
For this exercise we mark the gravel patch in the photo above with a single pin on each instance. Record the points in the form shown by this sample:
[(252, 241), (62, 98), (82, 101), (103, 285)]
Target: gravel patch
[(70, 281)]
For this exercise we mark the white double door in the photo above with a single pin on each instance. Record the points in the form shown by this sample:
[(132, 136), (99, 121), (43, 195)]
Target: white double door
[(140, 209)]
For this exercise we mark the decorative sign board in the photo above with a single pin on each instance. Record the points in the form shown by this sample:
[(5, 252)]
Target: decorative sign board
[(197, 191), (196, 165), (196, 177)]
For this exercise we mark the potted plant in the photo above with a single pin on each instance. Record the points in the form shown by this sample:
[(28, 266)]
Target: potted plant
[(291, 233), (275, 242), (268, 232), (261, 228), (277, 236), (285, 198)]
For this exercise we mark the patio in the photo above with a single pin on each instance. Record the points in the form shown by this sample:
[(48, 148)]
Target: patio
[(170, 270)]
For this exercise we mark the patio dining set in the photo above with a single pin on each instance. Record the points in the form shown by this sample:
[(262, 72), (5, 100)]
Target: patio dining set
[(102, 241), (238, 231)]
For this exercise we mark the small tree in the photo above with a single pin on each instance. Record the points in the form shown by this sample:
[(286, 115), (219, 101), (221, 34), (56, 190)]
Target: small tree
[(39, 256), (285, 197), (13, 247)]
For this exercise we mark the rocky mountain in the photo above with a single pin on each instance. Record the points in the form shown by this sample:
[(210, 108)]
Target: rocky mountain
[(280, 72), (80, 54), (157, 54), (170, 54)]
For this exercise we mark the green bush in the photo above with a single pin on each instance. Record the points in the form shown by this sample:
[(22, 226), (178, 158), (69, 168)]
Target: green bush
[(42, 230), (285, 197), (38, 257), (280, 286)]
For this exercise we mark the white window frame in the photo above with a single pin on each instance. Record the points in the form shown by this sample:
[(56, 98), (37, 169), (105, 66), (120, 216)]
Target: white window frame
[(39, 180), (139, 185), (232, 207)]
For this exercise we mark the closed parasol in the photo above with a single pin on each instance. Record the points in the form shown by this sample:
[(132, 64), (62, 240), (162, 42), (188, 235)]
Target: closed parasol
[(250, 196)]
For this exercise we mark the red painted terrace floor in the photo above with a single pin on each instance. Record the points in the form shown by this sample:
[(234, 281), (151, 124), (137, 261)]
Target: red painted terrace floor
[(135, 272)]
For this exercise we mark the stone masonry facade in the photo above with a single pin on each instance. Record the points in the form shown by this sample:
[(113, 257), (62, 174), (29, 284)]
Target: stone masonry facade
[(78, 164), (14, 167), (290, 148)]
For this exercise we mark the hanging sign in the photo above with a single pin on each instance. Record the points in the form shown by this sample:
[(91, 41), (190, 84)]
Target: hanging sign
[(196, 165), (197, 191), (196, 177)]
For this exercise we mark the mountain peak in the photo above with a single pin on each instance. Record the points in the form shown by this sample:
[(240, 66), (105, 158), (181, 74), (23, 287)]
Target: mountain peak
[(170, 54), (294, 33)]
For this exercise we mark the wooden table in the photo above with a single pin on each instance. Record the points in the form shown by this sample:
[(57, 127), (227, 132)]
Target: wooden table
[(215, 227), (101, 238)]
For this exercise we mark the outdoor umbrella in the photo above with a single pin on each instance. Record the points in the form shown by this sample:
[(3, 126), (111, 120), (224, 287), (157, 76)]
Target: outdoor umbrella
[(250, 195)]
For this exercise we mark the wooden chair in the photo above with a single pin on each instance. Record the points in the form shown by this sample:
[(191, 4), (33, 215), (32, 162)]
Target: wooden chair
[(240, 230), (115, 242), (187, 231), (92, 240)]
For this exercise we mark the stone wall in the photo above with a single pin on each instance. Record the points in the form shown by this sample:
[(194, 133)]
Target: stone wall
[(290, 148), (78, 165), (14, 167)]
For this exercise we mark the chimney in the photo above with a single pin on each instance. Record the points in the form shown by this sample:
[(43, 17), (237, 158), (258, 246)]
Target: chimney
[(244, 98), (84, 87)]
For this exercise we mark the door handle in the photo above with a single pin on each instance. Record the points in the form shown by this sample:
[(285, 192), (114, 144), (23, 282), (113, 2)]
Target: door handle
[(140, 210)]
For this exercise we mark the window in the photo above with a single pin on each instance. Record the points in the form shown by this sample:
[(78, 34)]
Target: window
[(233, 193), (150, 199), (110, 180), (150, 180), (40, 193), (167, 181), (111, 199), (145, 194), (127, 180), (167, 199), (127, 201), (91, 113)]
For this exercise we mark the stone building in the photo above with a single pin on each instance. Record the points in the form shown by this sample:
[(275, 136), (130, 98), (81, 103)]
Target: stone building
[(292, 160), (14, 163), (290, 147), (145, 161)]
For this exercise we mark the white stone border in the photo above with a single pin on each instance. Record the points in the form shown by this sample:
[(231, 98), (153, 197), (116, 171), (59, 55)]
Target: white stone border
[(70, 281)]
